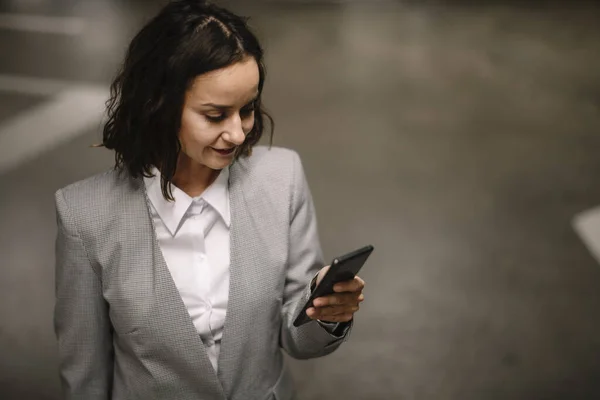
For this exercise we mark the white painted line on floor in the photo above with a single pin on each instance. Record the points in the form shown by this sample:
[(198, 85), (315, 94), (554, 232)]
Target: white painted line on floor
[(32, 86), (72, 26), (42, 128), (587, 226)]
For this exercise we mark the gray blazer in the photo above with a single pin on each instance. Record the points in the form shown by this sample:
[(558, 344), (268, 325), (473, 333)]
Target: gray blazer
[(123, 330)]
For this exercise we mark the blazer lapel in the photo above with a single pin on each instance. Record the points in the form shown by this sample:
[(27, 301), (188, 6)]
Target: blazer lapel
[(171, 322), (241, 280)]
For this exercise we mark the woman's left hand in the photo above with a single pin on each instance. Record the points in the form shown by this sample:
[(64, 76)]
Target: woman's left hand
[(340, 306)]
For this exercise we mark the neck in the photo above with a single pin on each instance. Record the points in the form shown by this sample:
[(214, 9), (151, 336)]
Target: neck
[(192, 178)]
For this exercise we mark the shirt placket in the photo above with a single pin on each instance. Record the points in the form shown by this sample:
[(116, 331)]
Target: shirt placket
[(203, 218)]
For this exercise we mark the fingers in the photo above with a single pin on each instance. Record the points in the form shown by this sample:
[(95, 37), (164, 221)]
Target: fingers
[(353, 285), (337, 318), (336, 308), (341, 306), (339, 299), (332, 311), (332, 314)]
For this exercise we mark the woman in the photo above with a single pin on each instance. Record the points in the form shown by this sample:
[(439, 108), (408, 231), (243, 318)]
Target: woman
[(180, 272)]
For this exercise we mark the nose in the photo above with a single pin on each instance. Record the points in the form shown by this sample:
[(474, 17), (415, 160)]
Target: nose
[(235, 132)]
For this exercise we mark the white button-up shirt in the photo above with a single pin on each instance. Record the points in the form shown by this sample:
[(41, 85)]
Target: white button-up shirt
[(193, 234)]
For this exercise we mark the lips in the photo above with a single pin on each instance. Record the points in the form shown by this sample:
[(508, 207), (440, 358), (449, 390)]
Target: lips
[(224, 152)]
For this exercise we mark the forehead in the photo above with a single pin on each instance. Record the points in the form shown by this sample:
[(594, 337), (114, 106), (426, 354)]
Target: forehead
[(229, 85)]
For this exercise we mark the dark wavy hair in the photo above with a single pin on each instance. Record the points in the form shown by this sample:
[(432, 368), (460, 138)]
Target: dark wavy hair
[(186, 39)]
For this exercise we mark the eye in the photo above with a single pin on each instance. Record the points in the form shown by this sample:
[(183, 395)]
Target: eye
[(249, 109), (215, 118)]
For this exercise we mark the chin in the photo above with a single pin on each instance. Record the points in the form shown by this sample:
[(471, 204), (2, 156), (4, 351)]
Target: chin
[(219, 164)]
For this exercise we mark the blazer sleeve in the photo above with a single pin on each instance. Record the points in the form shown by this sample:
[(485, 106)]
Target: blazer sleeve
[(305, 259), (81, 320)]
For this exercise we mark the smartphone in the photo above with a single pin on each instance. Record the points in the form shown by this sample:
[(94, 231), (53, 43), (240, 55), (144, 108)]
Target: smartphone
[(341, 269)]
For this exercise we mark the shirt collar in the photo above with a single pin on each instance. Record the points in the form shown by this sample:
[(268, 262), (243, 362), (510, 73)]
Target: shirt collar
[(217, 195), (172, 212)]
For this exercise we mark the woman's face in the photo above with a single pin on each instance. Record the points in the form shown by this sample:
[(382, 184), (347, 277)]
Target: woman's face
[(218, 113)]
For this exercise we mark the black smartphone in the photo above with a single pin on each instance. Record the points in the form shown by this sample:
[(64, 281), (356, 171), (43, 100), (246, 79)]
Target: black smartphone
[(342, 268)]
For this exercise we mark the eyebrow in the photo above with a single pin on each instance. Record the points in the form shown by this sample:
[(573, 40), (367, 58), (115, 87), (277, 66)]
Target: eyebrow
[(226, 107)]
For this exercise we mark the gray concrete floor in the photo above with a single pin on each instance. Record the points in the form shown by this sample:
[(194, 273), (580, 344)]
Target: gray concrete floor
[(460, 140)]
